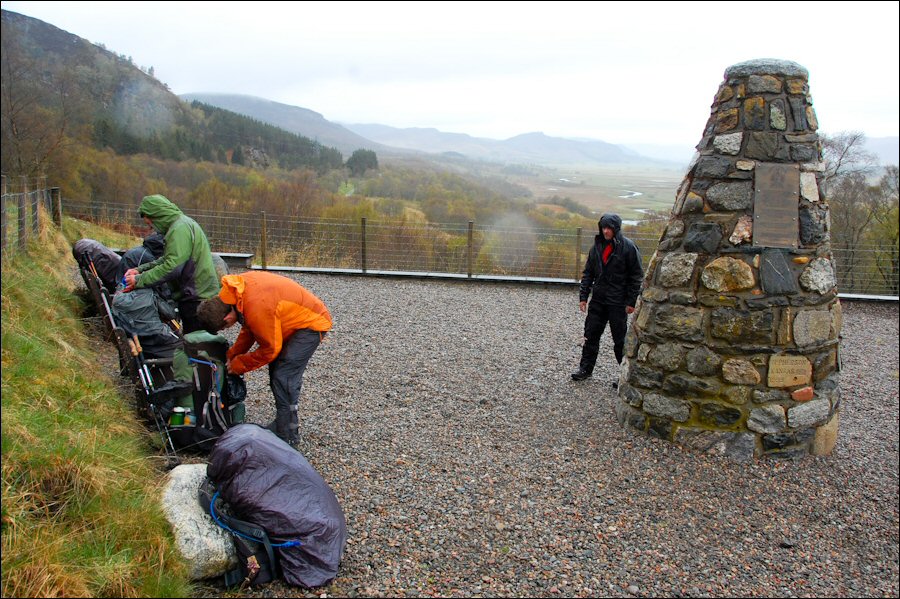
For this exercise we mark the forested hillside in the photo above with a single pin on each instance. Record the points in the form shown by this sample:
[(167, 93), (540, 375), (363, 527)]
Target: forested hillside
[(61, 91), (106, 131)]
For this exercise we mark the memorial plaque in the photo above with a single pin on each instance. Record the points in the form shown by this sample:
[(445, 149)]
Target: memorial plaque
[(789, 371), (776, 200)]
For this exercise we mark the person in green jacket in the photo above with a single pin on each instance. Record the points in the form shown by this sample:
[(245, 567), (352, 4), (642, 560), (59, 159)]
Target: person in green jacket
[(186, 263)]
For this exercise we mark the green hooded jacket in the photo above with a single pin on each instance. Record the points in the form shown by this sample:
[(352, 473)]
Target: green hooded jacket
[(186, 262)]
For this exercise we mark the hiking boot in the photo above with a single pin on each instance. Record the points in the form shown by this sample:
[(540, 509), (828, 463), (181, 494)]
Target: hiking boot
[(580, 375)]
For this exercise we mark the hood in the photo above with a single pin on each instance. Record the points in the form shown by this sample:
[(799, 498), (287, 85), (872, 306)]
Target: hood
[(161, 211), (613, 221), (232, 291), (155, 244)]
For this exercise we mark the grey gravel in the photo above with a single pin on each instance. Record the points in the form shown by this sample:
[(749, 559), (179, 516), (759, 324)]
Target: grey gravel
[(469, 464)]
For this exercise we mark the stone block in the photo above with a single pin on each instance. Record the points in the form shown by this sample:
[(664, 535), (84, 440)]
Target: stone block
[(826, 437), (789, 371), (812, 413), (767, 419)]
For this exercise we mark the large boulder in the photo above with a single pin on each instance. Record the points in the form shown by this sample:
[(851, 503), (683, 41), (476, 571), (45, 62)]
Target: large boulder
[(207, 549)]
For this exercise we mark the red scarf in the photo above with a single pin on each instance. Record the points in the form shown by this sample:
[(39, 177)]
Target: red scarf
[(607, 252)]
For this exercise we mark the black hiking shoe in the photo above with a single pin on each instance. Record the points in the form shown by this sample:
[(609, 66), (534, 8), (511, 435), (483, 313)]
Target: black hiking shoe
[(580, 375)]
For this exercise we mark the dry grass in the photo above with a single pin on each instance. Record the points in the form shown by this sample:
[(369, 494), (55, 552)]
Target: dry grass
[(80, 513)]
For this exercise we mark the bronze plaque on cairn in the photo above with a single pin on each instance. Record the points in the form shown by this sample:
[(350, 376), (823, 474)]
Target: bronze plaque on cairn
[(775, 205)]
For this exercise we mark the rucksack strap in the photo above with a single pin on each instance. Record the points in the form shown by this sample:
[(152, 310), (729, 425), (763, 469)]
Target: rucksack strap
[(244, 533)]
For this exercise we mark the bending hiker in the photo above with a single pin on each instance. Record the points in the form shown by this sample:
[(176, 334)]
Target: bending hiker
[(285, 320)]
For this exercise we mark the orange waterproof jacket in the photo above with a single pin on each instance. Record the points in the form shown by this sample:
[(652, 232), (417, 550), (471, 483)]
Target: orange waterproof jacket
[(273, 307)]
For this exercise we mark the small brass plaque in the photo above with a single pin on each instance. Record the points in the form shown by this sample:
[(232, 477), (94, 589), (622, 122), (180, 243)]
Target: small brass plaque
[(776, 201), (788, 371)]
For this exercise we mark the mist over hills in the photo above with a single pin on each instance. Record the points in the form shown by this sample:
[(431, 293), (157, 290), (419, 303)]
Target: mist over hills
[(295, 119), (526, 148), (534, 147)]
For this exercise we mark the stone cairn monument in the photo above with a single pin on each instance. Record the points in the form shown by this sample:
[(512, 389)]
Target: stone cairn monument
[(734, 347)]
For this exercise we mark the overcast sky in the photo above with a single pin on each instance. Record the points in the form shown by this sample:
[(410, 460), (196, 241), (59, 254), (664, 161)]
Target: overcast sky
[(623, 72)]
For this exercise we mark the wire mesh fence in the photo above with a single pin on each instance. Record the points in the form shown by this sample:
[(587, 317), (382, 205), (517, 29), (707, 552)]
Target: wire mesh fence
[(22, 215), (466, 249)]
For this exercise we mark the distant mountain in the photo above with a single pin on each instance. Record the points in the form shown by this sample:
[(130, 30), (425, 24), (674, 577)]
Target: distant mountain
[(526, 148), (298, 120), (886, 148), (678, 153)]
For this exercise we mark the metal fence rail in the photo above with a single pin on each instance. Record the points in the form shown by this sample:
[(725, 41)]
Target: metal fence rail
[(466, 249)]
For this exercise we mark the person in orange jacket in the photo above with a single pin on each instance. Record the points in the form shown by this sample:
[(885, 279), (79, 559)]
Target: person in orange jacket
[(285, 320)]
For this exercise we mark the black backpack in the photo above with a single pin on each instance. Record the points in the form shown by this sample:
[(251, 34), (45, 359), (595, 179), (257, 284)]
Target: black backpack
[(257, 562), (217, 398)]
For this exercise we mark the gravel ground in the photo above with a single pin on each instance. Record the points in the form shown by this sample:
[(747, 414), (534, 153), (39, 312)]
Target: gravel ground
[(469, 464)]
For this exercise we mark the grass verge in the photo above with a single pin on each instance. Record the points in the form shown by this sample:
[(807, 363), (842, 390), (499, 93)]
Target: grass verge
[(80, 497)]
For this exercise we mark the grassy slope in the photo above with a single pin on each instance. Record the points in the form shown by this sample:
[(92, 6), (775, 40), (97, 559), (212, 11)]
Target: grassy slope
[(80, 497)]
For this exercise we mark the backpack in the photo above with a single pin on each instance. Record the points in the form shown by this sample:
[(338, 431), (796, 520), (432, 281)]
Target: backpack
[(95, 257), (216, 400), (257, 563), (269, 485), (142, 312)]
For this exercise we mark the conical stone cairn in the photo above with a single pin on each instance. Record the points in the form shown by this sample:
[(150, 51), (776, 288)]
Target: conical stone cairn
[(734, 347)]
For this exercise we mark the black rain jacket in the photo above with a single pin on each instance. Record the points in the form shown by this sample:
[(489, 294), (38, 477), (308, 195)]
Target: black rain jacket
[(618, 282)]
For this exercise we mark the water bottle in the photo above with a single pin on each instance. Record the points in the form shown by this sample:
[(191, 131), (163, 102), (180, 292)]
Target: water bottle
[(178, 416)]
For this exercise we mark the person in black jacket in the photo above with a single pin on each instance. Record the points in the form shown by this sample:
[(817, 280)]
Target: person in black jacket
[(612, 278), (150, 249)]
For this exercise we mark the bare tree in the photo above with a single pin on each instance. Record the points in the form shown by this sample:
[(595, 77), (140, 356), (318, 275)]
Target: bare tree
[(886, 214), (845, 155), (33, 117), (863, 215)]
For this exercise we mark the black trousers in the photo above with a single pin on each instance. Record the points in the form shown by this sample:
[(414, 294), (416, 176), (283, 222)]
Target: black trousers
[(187, 310), (597, 317), (286, 380)]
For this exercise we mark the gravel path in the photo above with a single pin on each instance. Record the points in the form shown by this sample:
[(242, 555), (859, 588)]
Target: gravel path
[(469, 464)]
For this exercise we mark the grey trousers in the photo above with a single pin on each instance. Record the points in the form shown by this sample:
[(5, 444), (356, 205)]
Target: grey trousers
[(286, 379)]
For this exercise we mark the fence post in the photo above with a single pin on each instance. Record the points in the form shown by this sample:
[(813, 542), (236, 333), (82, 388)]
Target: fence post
[(262, 248), (35, 201), (577, 253), (43, 197), (3, 214), (470, 250), (56, 205), (23, 221), (363, 241)]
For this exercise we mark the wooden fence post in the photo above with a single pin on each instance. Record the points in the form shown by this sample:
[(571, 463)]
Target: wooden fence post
[(363, 246), (3, 214), (577, 253), (262, 248), (470, 249), (35, 201), (56, 205), (23, 221)]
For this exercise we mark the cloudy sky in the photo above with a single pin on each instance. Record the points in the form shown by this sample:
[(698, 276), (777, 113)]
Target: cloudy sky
[(623, 72)]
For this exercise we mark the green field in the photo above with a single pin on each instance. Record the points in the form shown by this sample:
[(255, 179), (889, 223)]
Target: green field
[(625, 190)]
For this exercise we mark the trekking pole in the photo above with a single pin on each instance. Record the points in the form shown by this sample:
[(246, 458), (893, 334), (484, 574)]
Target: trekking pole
[(147, 382), (93, 268)]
